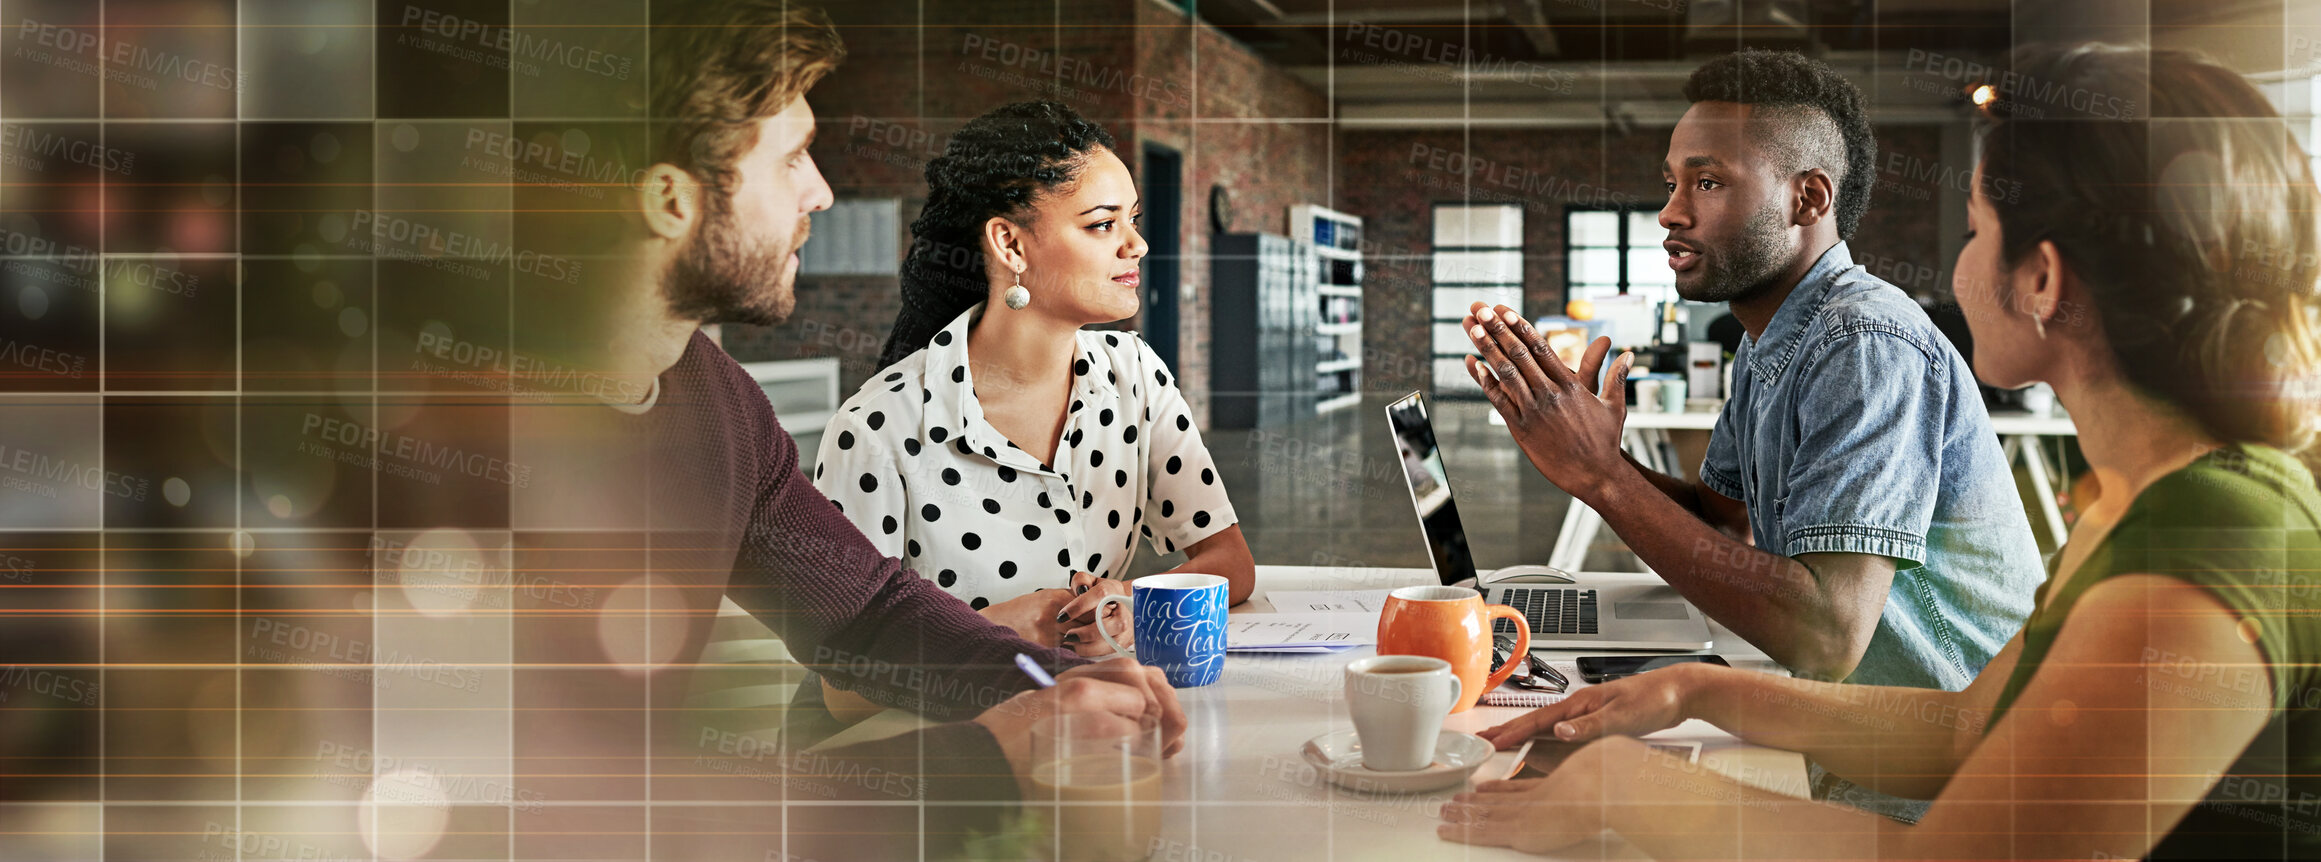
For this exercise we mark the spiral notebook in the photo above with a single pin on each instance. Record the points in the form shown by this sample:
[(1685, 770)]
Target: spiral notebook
[(1526, 698)]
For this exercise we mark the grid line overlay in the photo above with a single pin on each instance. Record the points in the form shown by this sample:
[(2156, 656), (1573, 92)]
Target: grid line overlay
[(408, 123)]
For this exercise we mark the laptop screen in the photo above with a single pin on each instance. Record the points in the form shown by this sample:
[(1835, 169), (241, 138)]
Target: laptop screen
[(1430, 488)]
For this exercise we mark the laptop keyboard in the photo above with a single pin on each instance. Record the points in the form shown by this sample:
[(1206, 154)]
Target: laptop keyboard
[(1550, 610)]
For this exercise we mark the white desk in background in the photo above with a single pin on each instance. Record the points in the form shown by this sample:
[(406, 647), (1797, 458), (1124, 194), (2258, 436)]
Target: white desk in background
[(1646, 436)]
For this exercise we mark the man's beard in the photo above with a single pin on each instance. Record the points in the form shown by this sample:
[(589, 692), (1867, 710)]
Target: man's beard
[(722, 276), (1749, 266)]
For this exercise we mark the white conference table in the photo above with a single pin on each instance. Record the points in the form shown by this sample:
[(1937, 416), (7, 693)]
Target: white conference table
[(1646, 433), (1240, 790)]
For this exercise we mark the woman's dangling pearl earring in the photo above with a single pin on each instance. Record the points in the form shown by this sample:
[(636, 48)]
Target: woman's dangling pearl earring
[(1017, 297)]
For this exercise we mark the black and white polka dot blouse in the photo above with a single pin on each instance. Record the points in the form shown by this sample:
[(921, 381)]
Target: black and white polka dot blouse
[(912, 462)]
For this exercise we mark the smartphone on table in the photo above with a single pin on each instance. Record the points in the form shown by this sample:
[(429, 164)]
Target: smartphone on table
[(1605, 668)]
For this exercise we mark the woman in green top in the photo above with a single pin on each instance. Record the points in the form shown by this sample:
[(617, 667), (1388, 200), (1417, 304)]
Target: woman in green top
[(2142, 235)]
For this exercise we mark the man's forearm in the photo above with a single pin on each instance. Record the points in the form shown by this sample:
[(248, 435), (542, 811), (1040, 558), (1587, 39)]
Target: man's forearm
[(1770, 600), (1727, 516), (1683, 493), (1899, 741), (874, 629), (966, 666), (855, 615)]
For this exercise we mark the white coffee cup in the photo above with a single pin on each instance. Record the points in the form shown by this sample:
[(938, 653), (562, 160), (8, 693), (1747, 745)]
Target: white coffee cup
[(1648, 395), (2039, 399), (1398, 703)]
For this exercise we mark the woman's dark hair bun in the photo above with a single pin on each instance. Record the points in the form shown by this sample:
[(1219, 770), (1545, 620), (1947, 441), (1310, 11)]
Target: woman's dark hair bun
[(2180, 200), (996, 165)]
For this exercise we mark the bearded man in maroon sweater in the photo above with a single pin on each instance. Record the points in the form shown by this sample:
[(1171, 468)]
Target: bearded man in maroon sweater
[(674, 485)]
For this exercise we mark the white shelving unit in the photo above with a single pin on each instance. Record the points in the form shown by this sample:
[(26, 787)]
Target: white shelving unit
[(1337, 242)]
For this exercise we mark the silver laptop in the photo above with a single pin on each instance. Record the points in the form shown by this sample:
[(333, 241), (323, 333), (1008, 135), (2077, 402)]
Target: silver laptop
[(1564, 613)]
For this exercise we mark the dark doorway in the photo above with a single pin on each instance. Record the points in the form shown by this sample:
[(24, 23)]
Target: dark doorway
[(1164, 188)]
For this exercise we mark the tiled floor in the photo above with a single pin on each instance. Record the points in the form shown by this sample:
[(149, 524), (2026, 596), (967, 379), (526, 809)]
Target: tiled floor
[(1329, 491)]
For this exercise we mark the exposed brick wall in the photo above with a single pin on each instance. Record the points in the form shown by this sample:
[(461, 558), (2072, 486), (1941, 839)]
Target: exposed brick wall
[(1130, 64), (1393, 178), (1900, 238), (1139, 67), (1259, 132)]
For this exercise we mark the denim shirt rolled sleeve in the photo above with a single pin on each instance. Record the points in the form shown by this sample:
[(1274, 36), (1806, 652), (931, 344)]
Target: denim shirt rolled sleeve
[(1854, 427), (1877, 430), (1720, 466)]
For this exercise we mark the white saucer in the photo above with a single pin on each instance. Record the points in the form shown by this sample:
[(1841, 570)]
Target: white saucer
[(1339, 756)]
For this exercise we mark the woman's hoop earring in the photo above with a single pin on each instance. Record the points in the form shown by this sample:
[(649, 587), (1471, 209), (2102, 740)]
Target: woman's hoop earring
[(1017, 297)]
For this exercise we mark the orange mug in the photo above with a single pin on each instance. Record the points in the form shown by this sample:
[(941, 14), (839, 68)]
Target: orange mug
[(1452, 624)]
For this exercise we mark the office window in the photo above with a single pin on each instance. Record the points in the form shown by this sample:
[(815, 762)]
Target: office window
[(2296, 93), (1478, 257), (1616, 251), (856, 236)]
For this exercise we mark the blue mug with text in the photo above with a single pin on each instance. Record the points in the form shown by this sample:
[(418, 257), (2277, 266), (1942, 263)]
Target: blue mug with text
[(1180, 625)]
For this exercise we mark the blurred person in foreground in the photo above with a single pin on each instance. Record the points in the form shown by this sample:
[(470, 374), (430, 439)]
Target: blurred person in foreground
[(689, 489), (2159, 272)]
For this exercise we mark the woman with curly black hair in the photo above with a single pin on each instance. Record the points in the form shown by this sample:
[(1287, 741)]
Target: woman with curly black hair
[(1004, 450)]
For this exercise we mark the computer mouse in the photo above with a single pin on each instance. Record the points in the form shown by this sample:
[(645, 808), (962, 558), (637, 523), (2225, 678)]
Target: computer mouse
[(1529, 575)]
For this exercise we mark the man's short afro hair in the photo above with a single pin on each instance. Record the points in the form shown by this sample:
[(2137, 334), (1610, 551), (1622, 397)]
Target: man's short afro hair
[(1796, 95)]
